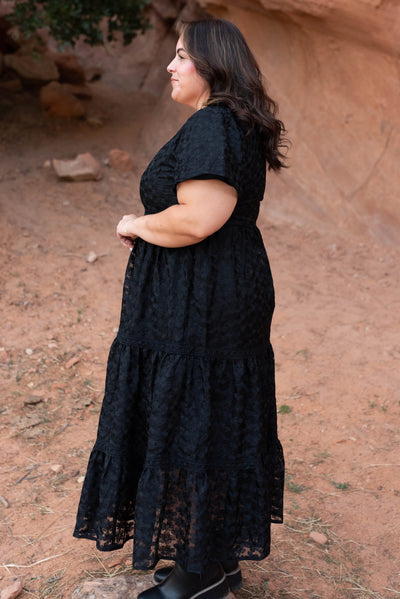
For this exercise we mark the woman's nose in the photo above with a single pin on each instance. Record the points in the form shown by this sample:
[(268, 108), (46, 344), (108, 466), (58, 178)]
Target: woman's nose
[(170, 67)]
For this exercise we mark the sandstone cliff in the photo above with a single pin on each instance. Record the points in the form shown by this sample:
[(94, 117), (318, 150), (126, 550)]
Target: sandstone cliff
[(333, 66)]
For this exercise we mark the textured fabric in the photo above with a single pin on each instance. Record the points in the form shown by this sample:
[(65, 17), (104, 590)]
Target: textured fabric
[(187, 460)]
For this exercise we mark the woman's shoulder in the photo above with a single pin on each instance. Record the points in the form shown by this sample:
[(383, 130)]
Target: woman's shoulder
[(216, 120)]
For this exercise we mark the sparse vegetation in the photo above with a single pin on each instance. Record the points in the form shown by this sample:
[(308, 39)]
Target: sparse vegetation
[(292, 486), (95, 22)]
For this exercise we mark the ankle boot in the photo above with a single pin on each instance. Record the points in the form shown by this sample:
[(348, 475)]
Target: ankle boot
[(231, 568), (180, 584)]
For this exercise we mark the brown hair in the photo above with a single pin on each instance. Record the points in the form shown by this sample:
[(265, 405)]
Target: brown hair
[(222, 57)]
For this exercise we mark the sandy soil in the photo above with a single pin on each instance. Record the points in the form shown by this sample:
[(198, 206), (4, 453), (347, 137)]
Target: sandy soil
[(337, 350)]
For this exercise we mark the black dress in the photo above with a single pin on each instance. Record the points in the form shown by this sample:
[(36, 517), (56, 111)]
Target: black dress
[(187, 461)]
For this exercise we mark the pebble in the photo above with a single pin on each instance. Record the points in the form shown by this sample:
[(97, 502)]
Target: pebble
[(92, 257), (56, 468), (72, 362), (4, 501), (318, 537), (84, 167), (29, 351), (120, 160), (12, 591), (33, 400)]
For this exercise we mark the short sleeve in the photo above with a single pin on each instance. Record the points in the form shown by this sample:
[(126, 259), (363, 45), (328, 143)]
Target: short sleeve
[(209, 147)]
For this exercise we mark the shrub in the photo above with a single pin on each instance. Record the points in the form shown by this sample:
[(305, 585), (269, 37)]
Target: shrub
[(68, 20)]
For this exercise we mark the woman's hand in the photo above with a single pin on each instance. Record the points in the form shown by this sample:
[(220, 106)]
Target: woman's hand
[(124, 230)]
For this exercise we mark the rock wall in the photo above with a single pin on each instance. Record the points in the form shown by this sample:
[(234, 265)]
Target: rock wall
[(333, 67)]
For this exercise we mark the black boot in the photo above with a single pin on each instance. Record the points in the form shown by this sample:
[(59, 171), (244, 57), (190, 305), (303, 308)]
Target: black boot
[(180, 584), (231, 568)]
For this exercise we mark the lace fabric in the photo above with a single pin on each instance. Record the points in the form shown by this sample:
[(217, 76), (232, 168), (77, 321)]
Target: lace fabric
[(187, 460)]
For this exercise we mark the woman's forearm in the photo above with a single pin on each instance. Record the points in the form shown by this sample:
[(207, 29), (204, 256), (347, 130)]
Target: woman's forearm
[(172, 227), (203, 207)]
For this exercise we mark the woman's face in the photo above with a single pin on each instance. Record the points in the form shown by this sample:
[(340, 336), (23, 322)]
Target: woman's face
[(187, 85)]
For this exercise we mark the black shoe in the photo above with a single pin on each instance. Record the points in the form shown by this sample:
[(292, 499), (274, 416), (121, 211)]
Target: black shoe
[(232, 571), (233, 575), (180, 584)]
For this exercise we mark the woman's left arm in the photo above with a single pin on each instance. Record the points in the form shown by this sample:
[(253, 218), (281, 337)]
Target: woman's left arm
[(203, 207)]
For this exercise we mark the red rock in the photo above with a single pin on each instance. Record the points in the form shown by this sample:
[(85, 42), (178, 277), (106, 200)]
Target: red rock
[(32, 69), (83, 168), (72, 362), (318, 537), (57, 468), (12, 591), (70, 69), (120, 160), (56, 99)]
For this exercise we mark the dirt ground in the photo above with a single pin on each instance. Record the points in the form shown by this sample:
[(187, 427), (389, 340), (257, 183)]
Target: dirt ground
[(337, 347)]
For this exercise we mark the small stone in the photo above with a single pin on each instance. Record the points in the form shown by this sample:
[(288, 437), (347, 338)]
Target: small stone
[(29, 351), (32, 401), (80, 479), (120, 160), (83, 168), (115, 562), (56, 99), (72, 362), (318, 537), (4, 501), (92, 257), (12, 591), (95, 121), (47, 164), (56, 468)]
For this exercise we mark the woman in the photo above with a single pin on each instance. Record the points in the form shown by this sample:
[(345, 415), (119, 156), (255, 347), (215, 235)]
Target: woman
[(187, 461)]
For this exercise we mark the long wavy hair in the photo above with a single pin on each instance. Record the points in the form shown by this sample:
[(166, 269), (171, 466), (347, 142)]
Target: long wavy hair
[(222, 57)]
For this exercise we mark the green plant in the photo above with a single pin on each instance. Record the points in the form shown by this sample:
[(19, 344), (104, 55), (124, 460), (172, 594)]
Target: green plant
[(341, 486), (284, 409), (95, 22), (292, 486)]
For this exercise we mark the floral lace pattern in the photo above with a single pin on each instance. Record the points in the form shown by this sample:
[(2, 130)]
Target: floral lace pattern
[(187, 460)]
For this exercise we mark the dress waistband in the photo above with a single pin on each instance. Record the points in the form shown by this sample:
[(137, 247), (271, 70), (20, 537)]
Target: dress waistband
[(240, 221)]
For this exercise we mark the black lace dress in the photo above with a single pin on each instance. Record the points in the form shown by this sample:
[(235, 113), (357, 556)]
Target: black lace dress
[(187, 461)]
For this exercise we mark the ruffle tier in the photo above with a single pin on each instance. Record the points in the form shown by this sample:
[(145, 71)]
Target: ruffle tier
[(187, 459), (180, 514)]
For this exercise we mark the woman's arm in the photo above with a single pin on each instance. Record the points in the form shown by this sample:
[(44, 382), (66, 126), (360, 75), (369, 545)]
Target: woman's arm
[(203, 207)]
